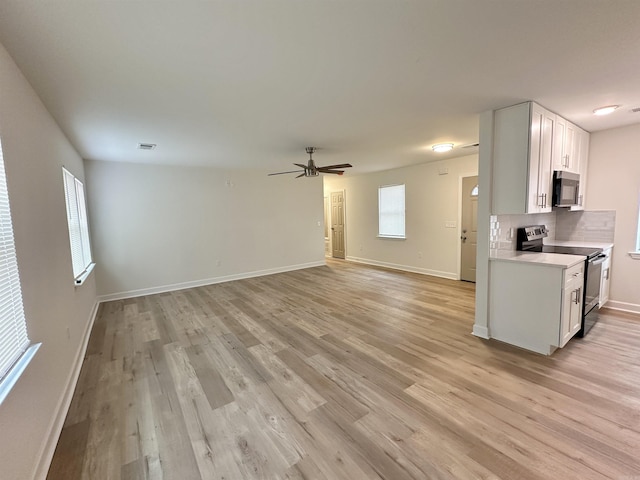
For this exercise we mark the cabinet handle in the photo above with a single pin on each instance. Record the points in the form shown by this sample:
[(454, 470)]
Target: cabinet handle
[(580, 200), (543, 200), (606, 274), (577, 300)]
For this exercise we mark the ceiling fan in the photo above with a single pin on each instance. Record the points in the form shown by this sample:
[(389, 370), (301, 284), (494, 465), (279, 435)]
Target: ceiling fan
[(310, 169)]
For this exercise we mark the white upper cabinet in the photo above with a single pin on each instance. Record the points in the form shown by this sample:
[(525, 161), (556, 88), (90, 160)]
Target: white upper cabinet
[(583, 139), (522, 156), (566, 146), (529, 143)]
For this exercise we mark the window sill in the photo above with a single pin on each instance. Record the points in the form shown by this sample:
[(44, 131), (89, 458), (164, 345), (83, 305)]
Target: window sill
[(80, 279), (392, 237), (635, 255), (10, 379)]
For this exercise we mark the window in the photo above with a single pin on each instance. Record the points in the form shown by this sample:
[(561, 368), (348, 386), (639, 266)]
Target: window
[(78, 227), (15, 351), (391, 211)]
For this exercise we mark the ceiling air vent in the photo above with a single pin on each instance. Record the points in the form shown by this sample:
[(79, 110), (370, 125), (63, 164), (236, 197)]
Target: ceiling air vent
[(146, 146), (636, 110)]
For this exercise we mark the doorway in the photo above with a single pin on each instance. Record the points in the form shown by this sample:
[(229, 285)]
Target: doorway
[(337, 225), (469, 228)]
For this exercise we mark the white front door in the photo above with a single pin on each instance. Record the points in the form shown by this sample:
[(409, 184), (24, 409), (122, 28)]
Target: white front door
[(469, 231)]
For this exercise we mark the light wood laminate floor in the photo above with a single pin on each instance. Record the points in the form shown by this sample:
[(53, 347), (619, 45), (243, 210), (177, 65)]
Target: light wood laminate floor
[(344, 372)]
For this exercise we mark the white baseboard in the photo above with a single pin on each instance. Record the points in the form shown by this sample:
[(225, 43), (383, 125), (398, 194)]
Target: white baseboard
[(481, 331), (206, 281), (405, 268), (623, 306), (55, 427)]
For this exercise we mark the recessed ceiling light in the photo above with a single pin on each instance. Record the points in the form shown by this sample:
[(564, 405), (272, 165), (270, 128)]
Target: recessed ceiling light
[(442, 147), (146, 146), (605, 110)]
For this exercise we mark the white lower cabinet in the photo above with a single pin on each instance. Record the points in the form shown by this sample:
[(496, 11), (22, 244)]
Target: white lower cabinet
[(535, 306), (605, 279), (572, 301)]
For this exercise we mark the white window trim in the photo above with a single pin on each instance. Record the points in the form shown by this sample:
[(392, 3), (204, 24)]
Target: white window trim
[(404, 212), (16, 350), (10, 379)]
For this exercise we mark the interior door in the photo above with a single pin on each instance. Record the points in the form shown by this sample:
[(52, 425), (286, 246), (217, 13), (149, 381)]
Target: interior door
[(469, 233), (337, 225)]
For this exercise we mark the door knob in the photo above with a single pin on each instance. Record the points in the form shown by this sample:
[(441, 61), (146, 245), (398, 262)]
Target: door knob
[(463, 239)]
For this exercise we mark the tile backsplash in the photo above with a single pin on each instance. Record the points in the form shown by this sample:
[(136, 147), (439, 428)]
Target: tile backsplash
[(583, 226), (502, 230)]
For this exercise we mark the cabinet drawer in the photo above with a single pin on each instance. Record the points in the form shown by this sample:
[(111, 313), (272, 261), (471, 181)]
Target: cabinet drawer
[(574, 274)]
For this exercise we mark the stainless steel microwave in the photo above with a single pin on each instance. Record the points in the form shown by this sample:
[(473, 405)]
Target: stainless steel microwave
[(566, 189)]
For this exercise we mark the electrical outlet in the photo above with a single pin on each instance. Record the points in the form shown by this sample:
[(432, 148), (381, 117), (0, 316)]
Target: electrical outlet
[(68, 334), (419, 254)]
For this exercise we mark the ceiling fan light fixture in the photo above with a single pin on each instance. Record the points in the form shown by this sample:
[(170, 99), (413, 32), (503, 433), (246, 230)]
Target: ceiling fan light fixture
[(605, 110), (442, 147)]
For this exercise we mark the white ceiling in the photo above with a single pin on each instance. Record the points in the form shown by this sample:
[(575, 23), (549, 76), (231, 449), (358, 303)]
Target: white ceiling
[(250, 83)]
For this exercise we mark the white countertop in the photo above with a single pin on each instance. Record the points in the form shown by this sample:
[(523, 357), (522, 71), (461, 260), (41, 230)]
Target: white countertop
[(572, 243), (559, 260)]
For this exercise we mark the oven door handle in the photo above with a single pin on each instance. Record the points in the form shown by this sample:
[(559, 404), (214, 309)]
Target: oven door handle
[(599, 259)]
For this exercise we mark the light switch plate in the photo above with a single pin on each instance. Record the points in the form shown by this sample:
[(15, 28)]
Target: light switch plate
[(450, 224)]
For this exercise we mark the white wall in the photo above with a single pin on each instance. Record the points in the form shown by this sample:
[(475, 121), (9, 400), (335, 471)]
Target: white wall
[(431, 200), (34, 152), (614, 184), (156, 228)]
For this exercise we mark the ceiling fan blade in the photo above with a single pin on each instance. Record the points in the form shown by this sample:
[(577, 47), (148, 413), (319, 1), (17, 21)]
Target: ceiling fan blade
[(300, 165), (324, 170), (282, 173), (301, 175), (342, 165)]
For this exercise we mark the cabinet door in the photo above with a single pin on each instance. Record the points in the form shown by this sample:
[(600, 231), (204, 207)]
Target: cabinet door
[(540, 157), (559, 133), (535, 200), (571, 312), (583, 139), (545, 170), (572, 148), (605, 279), (575, 320)]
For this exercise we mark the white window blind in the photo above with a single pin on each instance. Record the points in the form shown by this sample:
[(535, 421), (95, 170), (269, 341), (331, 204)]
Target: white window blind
[(391, 212), (78, 224), (14, 340)]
